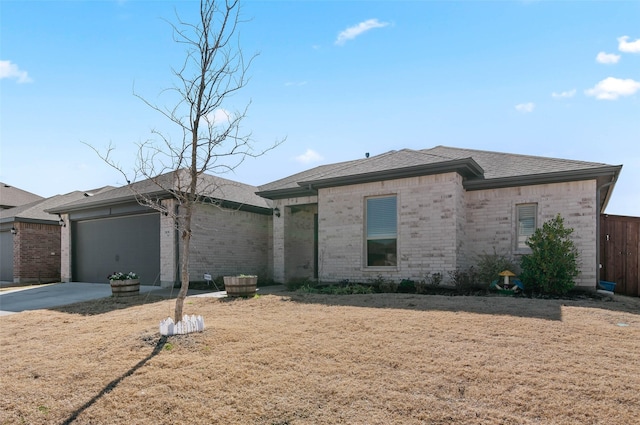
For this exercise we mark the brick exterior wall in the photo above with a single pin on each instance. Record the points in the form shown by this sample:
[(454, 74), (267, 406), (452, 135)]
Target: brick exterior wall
[(36, 255), (282, 248), (430, 222), (223, 242), (299, 243), (168, 242), (491, 220), (65, 250), (441, 227)]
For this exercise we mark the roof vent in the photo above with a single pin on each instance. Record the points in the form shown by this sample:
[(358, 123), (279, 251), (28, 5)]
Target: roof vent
[(366, 155)]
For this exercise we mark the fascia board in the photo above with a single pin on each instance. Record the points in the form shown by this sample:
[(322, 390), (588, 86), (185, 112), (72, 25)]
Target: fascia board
[(544, 178), (466, 167)]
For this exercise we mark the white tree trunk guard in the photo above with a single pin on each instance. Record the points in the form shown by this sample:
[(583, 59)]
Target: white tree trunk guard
[(187, 325)]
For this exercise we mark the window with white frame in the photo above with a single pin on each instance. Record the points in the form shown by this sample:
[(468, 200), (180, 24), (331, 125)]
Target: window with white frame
[(382, 231), (526, 223)]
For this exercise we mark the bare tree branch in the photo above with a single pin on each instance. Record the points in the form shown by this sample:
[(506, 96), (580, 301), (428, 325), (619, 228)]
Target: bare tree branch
[(212, 140)]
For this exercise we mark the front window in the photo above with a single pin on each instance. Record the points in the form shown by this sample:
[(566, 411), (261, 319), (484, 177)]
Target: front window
[(526, 223), (382, 231)]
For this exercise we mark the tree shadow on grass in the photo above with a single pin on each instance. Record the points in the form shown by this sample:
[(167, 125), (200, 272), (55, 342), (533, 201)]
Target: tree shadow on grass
[(108, 304), (113, 384), (546, 309)]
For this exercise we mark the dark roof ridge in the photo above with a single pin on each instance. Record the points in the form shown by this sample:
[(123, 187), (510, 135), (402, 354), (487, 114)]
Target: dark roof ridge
[(546, 158)]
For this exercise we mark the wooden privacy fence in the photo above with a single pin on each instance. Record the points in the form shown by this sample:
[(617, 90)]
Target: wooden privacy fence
[(620, 252)]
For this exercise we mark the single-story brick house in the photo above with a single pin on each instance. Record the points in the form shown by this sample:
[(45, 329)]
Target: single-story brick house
[(111, 232), (30, 239), (407, 213), (401, 215)]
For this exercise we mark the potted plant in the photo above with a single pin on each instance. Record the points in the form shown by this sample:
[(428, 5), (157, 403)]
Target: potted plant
[(124, 284), (241, 286)]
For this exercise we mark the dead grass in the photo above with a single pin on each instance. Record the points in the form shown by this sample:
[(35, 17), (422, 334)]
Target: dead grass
[(313, 359)]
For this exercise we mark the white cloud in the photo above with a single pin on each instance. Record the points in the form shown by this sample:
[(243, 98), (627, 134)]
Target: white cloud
[(607, 58), (612, 88), (354, 31), (295, 83), (309, 156), (219, 116), (525, 107), (564, 94), (11, 70), (628, 47)]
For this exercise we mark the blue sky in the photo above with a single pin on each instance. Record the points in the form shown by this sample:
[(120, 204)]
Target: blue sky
[(337, 79)]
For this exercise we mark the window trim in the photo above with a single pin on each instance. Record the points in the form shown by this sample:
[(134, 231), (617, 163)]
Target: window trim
[(521, 246), (387, 236)]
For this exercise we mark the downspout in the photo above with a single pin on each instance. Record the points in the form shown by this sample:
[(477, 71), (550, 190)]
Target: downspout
[(598, 263)]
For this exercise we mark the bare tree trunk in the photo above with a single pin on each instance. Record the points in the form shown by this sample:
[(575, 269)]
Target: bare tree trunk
[(184, 263), (213, 70)]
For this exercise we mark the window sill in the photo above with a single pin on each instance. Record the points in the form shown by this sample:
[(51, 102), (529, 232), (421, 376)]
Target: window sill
[(380, 269)]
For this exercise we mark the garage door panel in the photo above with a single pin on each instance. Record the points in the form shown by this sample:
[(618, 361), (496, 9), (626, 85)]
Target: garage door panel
[(6, 256), (103, 246)]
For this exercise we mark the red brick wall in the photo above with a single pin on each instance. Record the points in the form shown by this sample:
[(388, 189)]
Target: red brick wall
[(36, 255)]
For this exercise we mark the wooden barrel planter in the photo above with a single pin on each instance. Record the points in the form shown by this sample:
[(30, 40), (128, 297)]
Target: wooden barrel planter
[(125, 288), (240, 286)]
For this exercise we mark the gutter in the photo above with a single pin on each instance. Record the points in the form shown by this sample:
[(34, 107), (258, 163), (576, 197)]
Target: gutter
[(466, 167), (542, 178)]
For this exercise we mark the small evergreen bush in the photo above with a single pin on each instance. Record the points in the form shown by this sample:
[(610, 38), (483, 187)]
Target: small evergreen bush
[(553, 263)]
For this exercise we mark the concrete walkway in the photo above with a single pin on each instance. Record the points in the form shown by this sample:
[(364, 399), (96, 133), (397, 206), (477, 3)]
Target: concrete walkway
[(35, 297)]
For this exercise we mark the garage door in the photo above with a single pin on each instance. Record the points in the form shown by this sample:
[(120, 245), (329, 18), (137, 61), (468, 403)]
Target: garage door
[(103, 246), (6, 256)]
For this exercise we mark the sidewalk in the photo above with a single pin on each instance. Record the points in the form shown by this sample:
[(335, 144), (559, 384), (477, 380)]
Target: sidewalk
[(35, 297)]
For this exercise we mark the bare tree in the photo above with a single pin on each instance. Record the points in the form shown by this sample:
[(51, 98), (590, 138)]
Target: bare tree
[(212, 140)]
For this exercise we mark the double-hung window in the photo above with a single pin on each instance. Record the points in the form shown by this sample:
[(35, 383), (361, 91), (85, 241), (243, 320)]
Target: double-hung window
[(526, 223), (382, 231)]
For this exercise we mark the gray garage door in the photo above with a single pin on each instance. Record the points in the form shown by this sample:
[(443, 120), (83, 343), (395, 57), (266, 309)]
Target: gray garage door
[(6, 256), (103, 246)]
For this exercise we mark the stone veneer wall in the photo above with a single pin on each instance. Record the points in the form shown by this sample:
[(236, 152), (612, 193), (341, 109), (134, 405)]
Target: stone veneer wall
[(491, 220), (36, 256), (429, 215)]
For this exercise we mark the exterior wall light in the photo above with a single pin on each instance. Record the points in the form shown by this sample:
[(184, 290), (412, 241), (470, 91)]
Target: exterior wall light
[(61, 221), (276, 212), (13, 231)]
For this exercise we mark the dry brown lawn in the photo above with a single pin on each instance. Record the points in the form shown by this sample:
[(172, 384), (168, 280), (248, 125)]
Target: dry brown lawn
[(317, 359)]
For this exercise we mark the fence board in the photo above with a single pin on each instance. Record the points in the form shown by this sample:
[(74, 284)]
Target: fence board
[(620, 252)]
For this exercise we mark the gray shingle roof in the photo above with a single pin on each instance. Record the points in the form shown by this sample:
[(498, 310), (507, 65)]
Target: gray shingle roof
[(37, 211), (501, 165), (210, 186), (482, 168), (12, 196)]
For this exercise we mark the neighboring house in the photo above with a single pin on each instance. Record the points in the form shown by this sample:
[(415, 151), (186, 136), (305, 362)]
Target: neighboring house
[(30, 240), (407, 213), (399, 215), (111, 232), (13, 197)]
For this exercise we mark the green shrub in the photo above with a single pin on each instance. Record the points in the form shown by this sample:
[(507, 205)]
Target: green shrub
[(465, 281), (490, 265), (553, 263), (296, 283), (407, 286), (382, 284)]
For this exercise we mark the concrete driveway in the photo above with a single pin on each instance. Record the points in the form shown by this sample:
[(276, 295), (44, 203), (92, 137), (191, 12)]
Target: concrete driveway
[(38, 297)]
